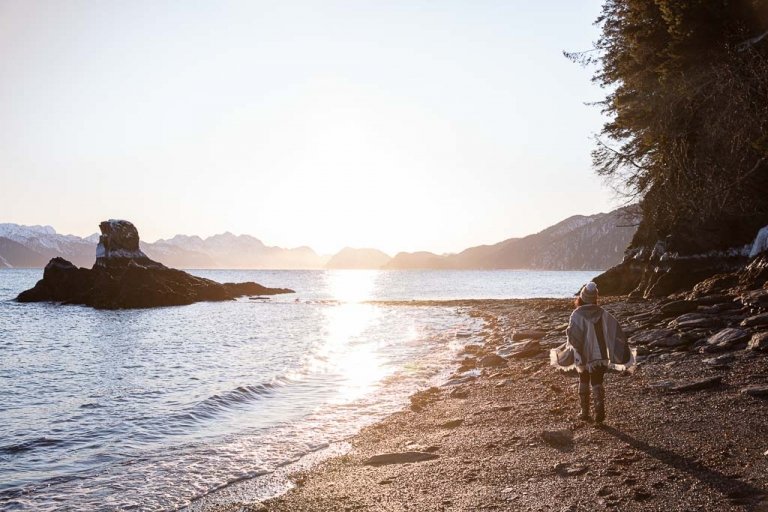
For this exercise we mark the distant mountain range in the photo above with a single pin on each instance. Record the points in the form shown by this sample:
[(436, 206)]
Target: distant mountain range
[(580, 242), (577, 243)]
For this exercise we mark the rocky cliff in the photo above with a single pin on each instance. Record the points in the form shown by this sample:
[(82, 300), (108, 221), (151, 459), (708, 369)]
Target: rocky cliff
[(659, 263), (124, 277)]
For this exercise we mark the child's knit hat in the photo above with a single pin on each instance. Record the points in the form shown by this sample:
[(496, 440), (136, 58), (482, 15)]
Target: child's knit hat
[(588, 293)]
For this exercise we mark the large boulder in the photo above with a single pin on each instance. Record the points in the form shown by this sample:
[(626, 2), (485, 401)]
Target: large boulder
[(119, 246), (124, 277)]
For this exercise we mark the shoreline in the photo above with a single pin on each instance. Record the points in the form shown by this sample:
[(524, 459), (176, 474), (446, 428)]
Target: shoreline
[(507, 439)]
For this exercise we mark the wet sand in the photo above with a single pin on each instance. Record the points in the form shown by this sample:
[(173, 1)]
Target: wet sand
[(505, 437)]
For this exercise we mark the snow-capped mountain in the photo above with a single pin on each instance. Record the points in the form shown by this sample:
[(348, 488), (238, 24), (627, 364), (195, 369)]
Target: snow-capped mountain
[(579, 242), (34, 244)]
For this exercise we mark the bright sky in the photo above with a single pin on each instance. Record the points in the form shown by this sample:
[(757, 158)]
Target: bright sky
[(402, 125)]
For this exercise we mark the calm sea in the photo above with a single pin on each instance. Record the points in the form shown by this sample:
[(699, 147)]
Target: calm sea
[(154, 409)]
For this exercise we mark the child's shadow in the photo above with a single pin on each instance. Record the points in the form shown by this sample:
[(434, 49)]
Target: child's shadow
[(738, 492)]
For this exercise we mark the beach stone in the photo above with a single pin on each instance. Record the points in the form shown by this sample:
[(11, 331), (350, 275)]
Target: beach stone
[(528, 334), (468, 363), (459, 393), (698, 384), (756, 320), (605, 490), (756, 391), (694, 320), (566, 469), (641, 495), (651, 335), (678, 307), (720, 360), (421, 399), (399, 458), (755, 298), (759, 342), (472, 348), (728, 338), (452, 423), (708, 300), (641, 317), (520, 349), (669, 342), (492, 361), (558, 438), (460, 379)]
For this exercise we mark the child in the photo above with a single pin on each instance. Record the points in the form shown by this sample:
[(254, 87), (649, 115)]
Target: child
[(595, 343)]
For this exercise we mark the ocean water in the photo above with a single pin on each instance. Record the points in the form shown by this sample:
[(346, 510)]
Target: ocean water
[(154, 409)]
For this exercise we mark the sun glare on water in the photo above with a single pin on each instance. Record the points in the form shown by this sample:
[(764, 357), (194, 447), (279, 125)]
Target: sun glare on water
[(348, 348)]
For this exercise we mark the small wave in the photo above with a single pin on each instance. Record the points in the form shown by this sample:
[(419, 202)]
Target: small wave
[(40, 442), (230, 400)]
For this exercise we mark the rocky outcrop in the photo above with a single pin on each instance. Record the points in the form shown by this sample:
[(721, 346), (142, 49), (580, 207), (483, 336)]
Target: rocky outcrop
[(124, 277), (119, 246), (665, 269)]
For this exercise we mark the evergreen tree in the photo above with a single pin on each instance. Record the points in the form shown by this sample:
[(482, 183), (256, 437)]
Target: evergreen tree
[(687, 99)]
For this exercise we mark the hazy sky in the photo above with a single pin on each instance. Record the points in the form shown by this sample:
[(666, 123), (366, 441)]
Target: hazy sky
[(401, 125)]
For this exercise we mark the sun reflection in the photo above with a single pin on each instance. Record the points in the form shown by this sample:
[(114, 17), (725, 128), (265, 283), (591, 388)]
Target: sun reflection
[(349, 350), (352, 285)]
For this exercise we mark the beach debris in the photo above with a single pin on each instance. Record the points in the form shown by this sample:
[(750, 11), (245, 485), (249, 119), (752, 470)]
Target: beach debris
[(399, 458)]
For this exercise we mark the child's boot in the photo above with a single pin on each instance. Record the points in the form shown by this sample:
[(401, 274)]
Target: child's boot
[(584, 401), (599, 395)]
